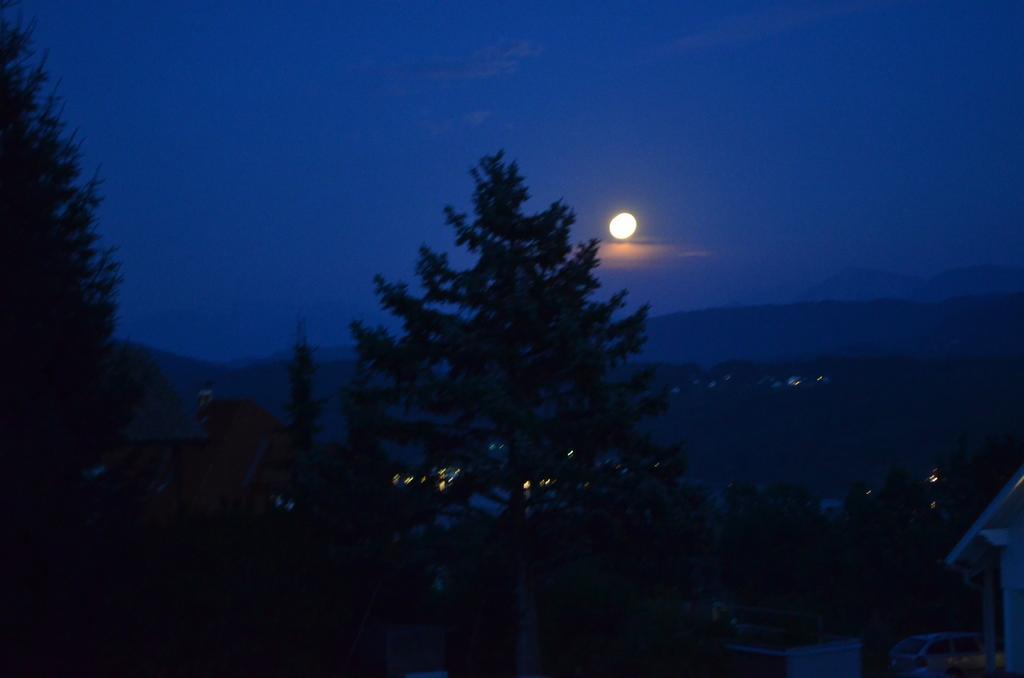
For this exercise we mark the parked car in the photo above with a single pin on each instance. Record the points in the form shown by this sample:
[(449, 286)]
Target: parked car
[(940, 654)]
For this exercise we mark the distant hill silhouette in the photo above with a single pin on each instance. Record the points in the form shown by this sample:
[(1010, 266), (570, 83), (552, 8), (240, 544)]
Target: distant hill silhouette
[(323, 354), (866, 284), (263, 380), (902, 381), (972, 281), (745, 422), (984, 326)]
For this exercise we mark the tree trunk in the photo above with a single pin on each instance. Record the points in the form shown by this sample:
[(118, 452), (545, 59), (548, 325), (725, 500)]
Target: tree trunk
[(527, 636), (527, 645)]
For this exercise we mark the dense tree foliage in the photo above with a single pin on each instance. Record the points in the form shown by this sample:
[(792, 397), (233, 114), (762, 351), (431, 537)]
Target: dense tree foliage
[(500, 387), (58, 408), (66, 391), (967, 481), (784, 525), (303, 407)]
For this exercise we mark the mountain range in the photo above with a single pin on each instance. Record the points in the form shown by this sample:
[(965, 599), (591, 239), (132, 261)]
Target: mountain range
[(817, 392), (981, 326), (866, 284)]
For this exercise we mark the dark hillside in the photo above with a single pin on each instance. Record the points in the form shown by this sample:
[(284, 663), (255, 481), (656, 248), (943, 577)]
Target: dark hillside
[(776, 422), (968, 327), (743, 421)]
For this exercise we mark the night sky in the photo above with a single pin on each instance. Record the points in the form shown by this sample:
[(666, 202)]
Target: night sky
[(265, 163)]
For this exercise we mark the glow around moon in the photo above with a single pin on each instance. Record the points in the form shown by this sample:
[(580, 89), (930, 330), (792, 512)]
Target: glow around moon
[(622, 226)]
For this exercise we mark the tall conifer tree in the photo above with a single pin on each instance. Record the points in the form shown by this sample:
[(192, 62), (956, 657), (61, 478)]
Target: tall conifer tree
[(504, 382), (60, 405), (65, 394), (303, 409)]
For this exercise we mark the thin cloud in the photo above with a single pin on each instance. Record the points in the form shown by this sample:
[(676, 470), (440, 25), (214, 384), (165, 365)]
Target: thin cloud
[(498, 60), (501, 59), (762, 24), (629, 255)]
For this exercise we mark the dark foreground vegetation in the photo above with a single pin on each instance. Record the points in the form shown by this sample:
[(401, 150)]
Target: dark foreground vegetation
[(291, 592), (533, 520)]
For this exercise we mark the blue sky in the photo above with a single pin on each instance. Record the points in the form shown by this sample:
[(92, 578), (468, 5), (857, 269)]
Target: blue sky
[(264, 160)]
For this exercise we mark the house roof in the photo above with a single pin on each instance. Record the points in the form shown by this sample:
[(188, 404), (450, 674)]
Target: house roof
[(228, 418), (983, 535), (245, 456)]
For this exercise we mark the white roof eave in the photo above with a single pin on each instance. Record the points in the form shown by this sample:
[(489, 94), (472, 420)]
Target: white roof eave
[(973, 544)]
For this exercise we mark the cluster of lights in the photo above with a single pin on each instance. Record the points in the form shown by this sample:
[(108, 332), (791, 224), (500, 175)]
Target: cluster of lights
[(543, 482), (934, 477), (446, 475), (797, 380)]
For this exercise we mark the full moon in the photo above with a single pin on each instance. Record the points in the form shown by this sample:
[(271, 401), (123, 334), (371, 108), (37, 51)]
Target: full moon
[(622, 226)]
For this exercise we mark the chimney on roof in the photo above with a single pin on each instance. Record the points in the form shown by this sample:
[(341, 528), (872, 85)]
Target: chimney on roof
[(204, 398)]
